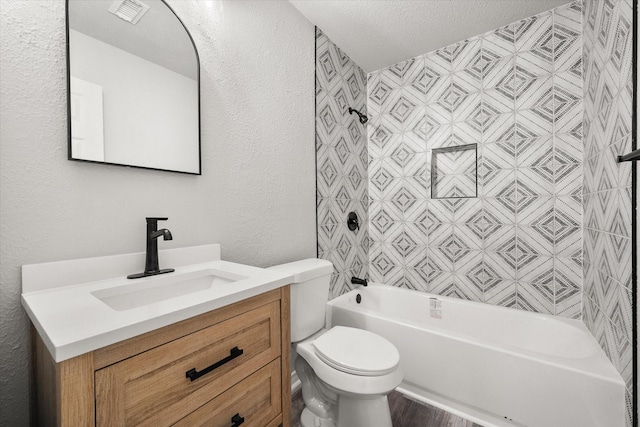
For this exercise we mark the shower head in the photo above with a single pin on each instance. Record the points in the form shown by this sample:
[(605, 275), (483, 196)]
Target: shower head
[(363, 119)]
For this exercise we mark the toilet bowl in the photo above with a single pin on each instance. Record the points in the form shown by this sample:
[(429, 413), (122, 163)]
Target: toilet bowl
[(346, 373), (351, 372)]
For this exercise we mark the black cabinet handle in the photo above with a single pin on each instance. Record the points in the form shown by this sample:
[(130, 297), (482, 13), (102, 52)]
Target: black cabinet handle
[(193, 375), (237, 420)]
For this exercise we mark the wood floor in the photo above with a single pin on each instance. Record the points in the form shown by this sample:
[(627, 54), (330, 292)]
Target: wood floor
[(404, 413)]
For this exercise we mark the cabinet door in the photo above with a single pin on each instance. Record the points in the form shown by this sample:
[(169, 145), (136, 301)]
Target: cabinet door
[(251, 403), (153, 388)]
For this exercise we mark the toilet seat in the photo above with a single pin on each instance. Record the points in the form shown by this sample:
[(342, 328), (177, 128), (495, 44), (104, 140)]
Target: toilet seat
[(356, 351), (346, 382)]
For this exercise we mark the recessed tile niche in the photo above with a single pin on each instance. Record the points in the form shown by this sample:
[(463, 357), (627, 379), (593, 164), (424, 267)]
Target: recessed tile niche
[(454, 172)]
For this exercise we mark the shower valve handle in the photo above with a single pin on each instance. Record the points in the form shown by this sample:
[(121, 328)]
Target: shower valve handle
[(352, 221)]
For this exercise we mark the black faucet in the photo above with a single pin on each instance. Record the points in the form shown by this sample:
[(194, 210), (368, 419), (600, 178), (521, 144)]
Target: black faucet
[(151, 267)]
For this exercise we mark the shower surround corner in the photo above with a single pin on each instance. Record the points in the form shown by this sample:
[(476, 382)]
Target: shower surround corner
[(341, 164)]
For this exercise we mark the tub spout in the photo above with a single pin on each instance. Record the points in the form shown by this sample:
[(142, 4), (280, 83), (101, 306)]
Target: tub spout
[(358, 281)]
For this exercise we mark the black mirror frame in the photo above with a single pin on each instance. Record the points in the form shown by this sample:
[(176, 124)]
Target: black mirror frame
[(68, 60)]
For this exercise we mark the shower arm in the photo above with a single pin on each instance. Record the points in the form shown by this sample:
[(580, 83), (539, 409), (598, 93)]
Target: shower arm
[(363, 118), (631, 157)]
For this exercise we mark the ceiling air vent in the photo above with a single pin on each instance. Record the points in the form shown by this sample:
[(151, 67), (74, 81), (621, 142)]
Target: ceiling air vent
[(129, 10)]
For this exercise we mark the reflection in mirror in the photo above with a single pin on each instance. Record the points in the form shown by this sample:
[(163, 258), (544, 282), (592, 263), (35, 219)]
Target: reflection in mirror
[(133, 86)]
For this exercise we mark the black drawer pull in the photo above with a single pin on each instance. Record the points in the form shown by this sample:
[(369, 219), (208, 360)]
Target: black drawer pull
[(237, 420), (193, 375)]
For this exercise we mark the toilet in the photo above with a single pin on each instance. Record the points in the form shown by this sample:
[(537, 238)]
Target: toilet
[(346, 373)]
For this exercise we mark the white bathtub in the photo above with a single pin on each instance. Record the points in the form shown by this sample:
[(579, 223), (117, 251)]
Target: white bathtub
[(491, 365)]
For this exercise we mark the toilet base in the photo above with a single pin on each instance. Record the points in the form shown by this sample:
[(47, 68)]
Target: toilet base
[(356, 411), (308, 419), (353, 412)]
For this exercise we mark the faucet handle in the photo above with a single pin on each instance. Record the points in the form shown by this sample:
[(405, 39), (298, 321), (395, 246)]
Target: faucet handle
[(152, 218)]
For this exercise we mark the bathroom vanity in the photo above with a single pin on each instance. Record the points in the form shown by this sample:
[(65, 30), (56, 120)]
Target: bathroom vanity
[(106, 353)]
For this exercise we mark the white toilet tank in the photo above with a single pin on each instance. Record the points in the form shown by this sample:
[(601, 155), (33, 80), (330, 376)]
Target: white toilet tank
[(309, 295)]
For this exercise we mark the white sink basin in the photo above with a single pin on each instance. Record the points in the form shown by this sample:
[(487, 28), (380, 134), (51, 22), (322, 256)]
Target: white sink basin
[(153, 289), (85, 304)]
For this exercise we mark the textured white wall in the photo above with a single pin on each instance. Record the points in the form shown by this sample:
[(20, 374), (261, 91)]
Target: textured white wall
[(256, 196)]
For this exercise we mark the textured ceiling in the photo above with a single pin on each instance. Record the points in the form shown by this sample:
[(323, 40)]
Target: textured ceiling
[(380, 33)]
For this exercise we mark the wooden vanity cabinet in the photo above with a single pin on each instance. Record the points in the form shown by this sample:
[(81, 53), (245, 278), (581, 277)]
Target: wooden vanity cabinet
[(227, 367)]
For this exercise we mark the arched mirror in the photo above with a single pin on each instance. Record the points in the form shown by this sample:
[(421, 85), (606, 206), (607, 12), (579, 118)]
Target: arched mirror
[(133, 80)]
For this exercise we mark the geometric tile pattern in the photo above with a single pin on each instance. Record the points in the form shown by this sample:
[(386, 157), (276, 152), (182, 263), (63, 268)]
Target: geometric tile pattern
[(341, 162), (607, 56), (517, 93)]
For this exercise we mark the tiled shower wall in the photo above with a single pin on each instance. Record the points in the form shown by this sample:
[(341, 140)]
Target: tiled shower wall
[(608, 89), (517, 93), (341, 161)]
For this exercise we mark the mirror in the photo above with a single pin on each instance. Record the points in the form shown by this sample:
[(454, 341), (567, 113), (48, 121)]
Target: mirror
[(133, 86)]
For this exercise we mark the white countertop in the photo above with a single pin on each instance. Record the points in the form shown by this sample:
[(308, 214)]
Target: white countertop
[(72, 321)]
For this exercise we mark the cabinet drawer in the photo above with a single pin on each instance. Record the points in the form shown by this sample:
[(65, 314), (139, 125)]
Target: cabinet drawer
[(256, 399), (152, 388)]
